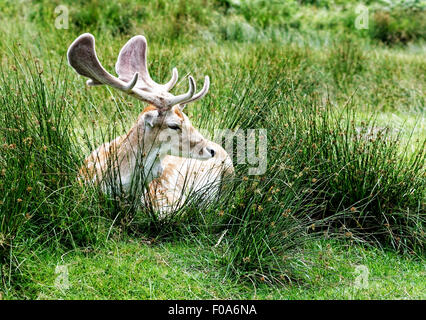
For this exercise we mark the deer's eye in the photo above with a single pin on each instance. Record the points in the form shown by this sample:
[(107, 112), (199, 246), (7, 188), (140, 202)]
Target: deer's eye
[(174, 127)]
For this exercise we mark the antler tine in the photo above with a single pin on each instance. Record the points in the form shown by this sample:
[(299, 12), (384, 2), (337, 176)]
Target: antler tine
[(186, 96), (201, 93), (126, 88), (132, 83), (169, 85)]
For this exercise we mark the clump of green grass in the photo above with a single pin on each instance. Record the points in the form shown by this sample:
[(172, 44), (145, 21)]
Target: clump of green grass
[(40, 197), (372, 176)]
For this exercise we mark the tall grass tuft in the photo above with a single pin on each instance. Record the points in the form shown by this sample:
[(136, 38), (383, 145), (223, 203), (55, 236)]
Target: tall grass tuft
[(40, 198)]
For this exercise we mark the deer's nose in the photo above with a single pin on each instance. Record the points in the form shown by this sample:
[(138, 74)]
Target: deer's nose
[(211, 151)]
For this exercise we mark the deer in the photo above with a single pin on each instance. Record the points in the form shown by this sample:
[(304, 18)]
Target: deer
[(162, 153)]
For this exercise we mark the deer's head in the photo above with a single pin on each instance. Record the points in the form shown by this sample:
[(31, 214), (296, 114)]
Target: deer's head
[(163, 122)]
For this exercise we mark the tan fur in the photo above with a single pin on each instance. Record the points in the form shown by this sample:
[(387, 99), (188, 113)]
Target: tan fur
[(96, 164), (178, 113), (148, 108), (182, 177)]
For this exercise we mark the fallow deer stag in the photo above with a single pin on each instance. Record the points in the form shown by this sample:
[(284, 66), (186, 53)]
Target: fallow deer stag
[(175, 158)]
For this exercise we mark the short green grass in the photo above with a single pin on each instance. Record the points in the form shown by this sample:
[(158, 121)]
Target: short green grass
[(135, 269)]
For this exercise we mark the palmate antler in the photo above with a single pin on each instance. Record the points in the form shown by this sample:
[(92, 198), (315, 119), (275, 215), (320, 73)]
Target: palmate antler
[(131, 67)]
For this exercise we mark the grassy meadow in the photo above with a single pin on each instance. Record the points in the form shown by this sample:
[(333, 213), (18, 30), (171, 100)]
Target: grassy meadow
[(343, 196)]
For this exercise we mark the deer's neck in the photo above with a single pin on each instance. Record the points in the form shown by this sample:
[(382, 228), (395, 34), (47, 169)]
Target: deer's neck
[(140, 158), (152, 164)]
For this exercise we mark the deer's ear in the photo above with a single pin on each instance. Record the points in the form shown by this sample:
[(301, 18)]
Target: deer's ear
[(149, 117), (149, 120)]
